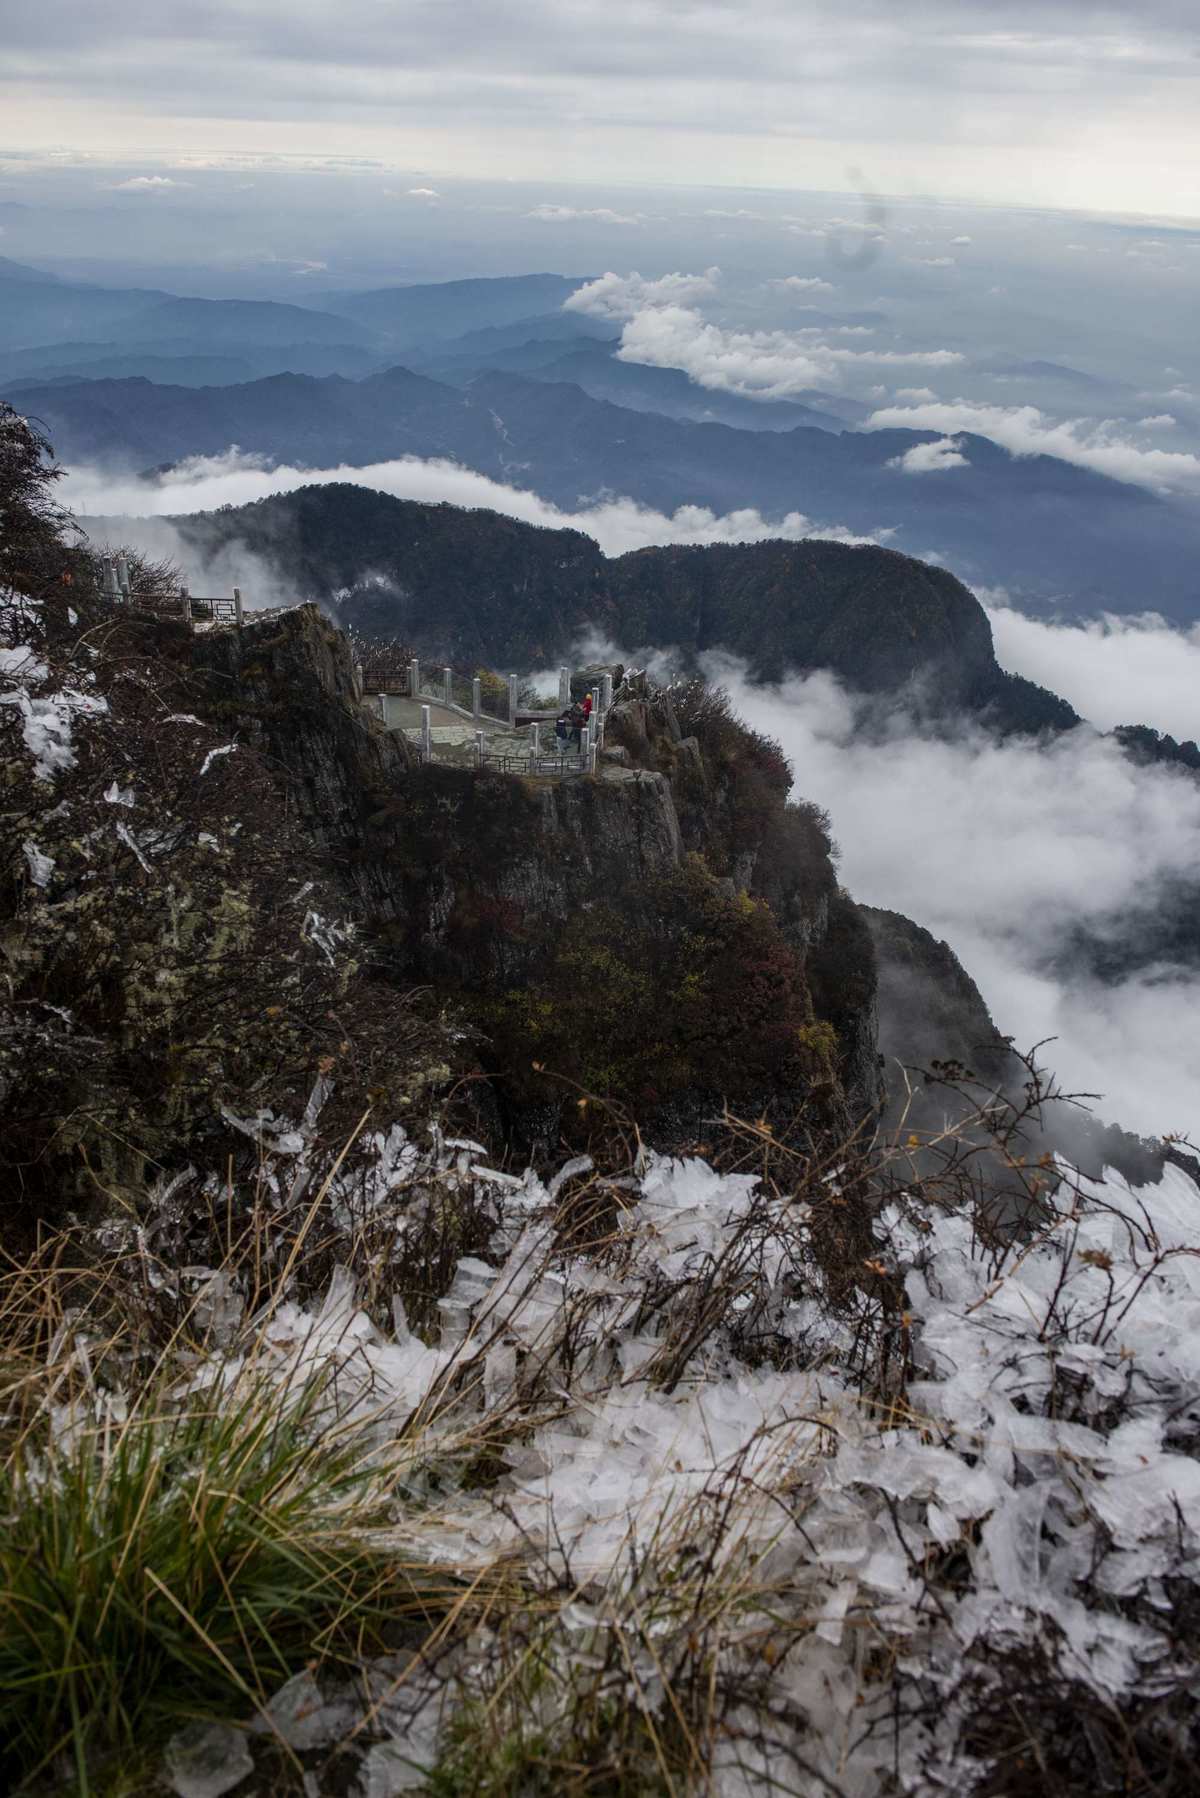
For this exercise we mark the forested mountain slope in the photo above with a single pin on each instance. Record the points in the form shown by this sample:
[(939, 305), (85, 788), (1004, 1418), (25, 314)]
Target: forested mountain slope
[(475, 585)]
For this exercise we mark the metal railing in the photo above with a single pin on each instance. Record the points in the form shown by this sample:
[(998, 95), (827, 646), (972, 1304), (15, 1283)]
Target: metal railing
[(469, 695), (540, 766), (192, 608)]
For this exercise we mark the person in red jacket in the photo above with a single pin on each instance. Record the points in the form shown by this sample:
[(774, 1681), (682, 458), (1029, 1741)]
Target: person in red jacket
[(587, 707)]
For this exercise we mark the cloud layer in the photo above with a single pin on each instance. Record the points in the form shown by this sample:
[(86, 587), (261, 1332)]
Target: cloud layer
[(601, 215), (1026, 431), (758, 364), (930, 458), (617, 89), (204, 482), (1004, 850), (625, 296), (1113, 670)]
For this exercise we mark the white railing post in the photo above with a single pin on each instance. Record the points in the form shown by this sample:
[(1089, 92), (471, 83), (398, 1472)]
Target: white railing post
[(426, 735), (447, 686), (414, 678), (595, 702), (564, 689), (111, 589), (512, 699), (185, 605), (606, 693), (357, 677), (123, 576), (237, 612), (479, 747), (477, 698), (537, 740)]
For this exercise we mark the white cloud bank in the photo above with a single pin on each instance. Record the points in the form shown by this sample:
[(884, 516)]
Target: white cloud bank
[(146, 184), (624, 296), (930, 458), (204, 482), (1002, 850), (759, 364), (1113, 670), (664, 329), (601, 215), (1026, 431)]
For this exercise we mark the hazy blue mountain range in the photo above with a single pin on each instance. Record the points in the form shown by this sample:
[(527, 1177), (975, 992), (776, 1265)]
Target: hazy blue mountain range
[(593, 365), (486, 346), (47, 322), (403, 316), (182, 362), (40, 308), (497, 377), (1034, 524), (1037, 368)]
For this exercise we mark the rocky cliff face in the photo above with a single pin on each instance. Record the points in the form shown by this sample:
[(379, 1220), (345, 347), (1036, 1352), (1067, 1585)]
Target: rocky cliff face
[(228, 889), (731, 791), (178, 947), (943, 1056), (478, 587)]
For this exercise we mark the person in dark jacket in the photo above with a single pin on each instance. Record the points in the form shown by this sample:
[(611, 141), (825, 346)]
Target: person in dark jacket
[(568, 727)]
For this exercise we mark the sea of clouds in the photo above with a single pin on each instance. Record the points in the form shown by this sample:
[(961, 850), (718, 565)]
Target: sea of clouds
[(1000, 848), (1005, 850)]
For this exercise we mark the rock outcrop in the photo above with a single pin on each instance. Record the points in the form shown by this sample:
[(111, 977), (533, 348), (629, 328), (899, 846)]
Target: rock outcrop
[(943, 1056), (235, 890)]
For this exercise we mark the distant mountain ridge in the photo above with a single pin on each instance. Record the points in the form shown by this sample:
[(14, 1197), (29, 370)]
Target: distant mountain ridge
[(39, 310), (424, 312), (594, 366), (137, 378), (1033, 524)]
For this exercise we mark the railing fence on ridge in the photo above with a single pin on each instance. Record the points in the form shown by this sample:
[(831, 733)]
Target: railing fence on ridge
[(388, 670), (192, 608), (384, 670)]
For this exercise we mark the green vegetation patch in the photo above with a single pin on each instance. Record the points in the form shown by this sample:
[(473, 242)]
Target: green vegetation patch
[(182, 1562)]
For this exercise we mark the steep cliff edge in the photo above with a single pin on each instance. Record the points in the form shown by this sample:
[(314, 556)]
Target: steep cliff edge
[(178, 952), (943, 1054), (651, 939), (228, 895)]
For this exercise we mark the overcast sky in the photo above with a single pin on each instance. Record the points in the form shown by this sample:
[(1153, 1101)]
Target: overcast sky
[(1058, 102)]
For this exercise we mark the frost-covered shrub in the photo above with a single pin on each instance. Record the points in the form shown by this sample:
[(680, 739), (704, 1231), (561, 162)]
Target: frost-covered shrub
[(919, 1537)]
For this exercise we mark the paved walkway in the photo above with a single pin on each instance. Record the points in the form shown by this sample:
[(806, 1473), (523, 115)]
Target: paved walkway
[(453, 736), (405, 714)]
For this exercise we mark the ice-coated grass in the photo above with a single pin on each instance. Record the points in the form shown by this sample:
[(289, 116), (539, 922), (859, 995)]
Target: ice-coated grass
[(180, 1554), (695, 1499)]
